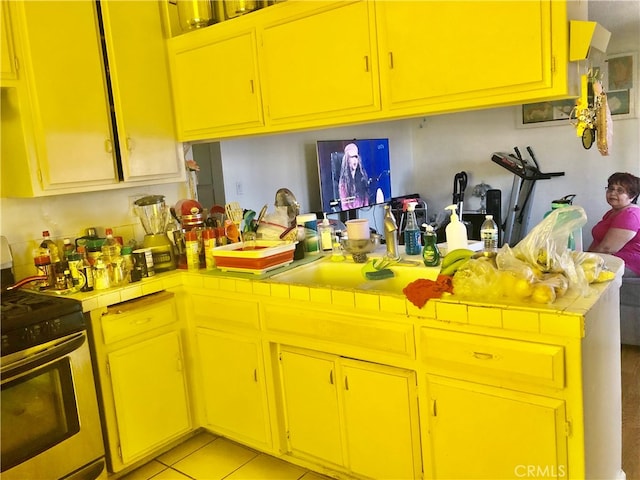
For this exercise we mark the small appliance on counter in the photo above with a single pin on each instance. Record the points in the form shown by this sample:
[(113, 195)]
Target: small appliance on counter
[(154, 216), (190, 215)]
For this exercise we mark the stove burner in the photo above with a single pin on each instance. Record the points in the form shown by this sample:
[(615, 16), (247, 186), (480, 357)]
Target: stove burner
[(20, 309)]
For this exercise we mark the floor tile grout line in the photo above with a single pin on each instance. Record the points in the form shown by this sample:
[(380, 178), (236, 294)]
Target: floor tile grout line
[(188, 454), (257, 454)]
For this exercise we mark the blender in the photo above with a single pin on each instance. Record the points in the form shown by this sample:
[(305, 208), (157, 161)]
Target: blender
[(153, 214)]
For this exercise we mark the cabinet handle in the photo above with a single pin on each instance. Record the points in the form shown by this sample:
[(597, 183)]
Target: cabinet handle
[(483, 356), (108, 146), (141, 321), (366, 63), (130, 144), (16, 63), (391, 60), (331, 377), (346, 382), (255, 375), (434, 408), (251, 86)]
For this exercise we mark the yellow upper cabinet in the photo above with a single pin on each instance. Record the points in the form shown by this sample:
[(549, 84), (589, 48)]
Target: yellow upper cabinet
[(141, 90), (8, 65), (320, 64), (58, 132), (442, 55), (215, 81), (328, 63)]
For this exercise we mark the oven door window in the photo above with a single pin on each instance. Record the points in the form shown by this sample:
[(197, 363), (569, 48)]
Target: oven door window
[(38, 411)]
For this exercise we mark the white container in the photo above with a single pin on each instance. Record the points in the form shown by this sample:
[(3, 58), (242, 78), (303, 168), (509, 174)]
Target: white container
[(358, 229), (309, 221), (455, 232)]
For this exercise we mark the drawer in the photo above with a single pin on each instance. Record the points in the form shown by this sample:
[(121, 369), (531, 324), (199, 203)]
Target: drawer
[(227, 311), (128, 319), (340, 328), (498, 359)]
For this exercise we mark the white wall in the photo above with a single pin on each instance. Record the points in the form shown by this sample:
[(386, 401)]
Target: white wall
[(426, 153)]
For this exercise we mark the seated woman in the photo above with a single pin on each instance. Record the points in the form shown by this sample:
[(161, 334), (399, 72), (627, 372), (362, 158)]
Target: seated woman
[(354, 182), (618, 233)]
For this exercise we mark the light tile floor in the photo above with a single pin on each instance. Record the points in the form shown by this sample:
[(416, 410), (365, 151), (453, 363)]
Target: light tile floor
[(208, 457)]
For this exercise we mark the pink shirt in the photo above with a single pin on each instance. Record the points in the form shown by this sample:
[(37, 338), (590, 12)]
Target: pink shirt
[(625, 219)]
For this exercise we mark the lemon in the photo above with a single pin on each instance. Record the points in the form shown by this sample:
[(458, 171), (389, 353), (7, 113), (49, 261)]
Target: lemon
[(543, 293), (522, 288)]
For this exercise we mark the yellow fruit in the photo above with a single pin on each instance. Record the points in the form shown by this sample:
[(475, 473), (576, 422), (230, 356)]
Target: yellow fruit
[(506, 282), (543, 293), (605, 276), (522, 288)]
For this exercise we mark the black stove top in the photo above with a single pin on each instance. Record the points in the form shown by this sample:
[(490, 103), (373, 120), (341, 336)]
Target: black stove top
[(29, 318)]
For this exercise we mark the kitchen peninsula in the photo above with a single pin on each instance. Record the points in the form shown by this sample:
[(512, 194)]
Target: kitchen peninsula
[(362, 384)]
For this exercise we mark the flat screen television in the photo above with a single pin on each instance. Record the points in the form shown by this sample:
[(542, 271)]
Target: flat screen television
[(353, 173)]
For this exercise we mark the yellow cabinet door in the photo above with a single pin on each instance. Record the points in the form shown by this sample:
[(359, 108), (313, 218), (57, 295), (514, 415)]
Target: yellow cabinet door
[(311, 405), (485, 432), (233, 385), (67, 120), (322, 65), (381, 420), (466, 53), (150, 395), (215, 84), (139, 71), (8, 65)]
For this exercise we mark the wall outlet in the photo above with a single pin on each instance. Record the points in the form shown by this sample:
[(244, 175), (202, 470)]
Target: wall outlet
[(239, 188)]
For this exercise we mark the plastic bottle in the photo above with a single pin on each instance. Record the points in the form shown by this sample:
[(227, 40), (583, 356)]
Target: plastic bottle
[(455, 232), (412, 242), (489, 234), (192, 247), (54, 253), (430, 251), (326, 232), (113, 259)]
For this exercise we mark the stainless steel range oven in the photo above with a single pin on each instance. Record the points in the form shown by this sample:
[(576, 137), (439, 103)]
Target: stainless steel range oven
[(49, 411)]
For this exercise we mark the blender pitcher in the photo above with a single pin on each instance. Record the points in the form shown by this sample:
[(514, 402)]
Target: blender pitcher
[(153, 214)]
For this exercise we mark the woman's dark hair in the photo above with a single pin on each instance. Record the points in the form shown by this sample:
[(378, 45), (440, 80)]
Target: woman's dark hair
[(630, 182)]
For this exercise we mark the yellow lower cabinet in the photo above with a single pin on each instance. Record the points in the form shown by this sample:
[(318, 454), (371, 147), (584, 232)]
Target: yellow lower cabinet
[(481, 432), (233, 385), (150, 395), (358, 416)]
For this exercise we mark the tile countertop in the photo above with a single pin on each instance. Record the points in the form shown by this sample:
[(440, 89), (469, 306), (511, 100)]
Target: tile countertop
[(571, 303)]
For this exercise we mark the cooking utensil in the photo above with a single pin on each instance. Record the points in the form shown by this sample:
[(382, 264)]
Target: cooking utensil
[(234, 213), (261, 215)]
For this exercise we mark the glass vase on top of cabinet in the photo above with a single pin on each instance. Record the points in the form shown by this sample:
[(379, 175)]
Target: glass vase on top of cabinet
[(86, 101)]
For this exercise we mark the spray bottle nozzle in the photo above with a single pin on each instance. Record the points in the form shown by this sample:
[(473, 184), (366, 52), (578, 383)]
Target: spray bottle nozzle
[(454, 215)]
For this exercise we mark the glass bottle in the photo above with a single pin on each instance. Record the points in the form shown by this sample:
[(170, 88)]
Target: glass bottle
[(67, 248), (86, 270), (430, 251), (412, 232)]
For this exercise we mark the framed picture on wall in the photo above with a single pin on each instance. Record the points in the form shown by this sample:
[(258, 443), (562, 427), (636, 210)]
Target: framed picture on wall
[(621, 84), (619, 78)]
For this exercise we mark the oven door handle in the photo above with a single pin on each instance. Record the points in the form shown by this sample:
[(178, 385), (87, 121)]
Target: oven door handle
[(57, 350)]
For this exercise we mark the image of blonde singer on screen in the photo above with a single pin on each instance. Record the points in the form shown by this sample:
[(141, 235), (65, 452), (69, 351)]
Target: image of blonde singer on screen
[(354, 182)]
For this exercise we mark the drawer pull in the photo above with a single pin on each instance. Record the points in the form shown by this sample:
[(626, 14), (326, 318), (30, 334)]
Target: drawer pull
[(141, 321), (483, 356)]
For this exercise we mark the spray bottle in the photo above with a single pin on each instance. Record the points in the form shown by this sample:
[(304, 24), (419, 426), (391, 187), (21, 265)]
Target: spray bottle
[(455, 232), (412, 242)]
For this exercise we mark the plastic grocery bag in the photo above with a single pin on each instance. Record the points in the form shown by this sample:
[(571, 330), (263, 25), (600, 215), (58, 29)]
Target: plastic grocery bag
[(545, 246)]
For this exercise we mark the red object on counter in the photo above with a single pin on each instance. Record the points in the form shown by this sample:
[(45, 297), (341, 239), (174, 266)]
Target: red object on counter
[(420, 291)]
